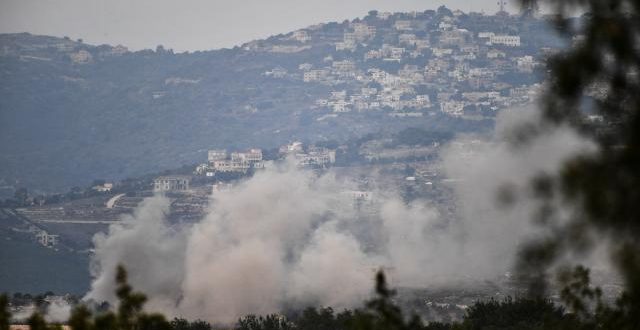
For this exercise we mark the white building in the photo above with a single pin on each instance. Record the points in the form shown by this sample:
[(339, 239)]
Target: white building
[(423, 100), (171, 183), (442, 52), (216, 154), (485, 35), (525, 63), (384, 15), (301, 36), (407, 39), (402, 25), (452, 108), (253, 157), (422, 44), (315, 75), (46, 239), (293, 147), (396, 53), (316, 157), (344, 66), (106, 187), (338, 95), (240, 161), (340, 106), (494, 53), (277, 72), (363, 31), (372, 54), (230, 166), (82, 56), (510, 41), (349, 46)]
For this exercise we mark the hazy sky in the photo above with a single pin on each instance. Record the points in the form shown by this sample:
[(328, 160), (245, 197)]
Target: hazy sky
[(195, 24)]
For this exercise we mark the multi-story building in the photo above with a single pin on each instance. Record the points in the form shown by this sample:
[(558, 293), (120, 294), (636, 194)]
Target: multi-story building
[(344, 66), (231, 166), (407, 39), (452, 108), (301, 36), (423, 100), (171, 183), (46, 239), (316, 157), (315, 75), (363, 31), (216, 154), (510, 41), (403, 25), (372, 54), (82, 56), (253, 158), (350, 46)]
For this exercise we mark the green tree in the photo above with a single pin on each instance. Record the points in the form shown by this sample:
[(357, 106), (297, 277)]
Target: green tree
[(129, 314), (37, 322), (106, 321), (130, 308), (601, 69), (80, 319), (180, 324), (269, 322), (383, 313), (318, 319), (5, 315), (518, 314)]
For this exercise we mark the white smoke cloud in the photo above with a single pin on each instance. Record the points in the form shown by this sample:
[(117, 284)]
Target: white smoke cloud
[(151, 251), (58, 311), (288, 237), (483, 167), (320, 275)]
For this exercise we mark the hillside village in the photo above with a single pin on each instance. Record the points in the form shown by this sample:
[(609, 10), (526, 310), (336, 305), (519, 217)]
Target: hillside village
[(415, 64), (438, 69)]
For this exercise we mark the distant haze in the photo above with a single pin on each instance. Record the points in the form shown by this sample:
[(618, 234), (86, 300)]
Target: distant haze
[(196, 24)]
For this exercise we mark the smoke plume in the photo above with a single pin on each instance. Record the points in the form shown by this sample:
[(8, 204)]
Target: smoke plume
[(288, 237), (58, 311)]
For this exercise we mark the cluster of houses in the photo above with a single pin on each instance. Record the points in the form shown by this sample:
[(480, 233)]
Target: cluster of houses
[(313, 157), (443, 67), (219, 160), (75, 50)]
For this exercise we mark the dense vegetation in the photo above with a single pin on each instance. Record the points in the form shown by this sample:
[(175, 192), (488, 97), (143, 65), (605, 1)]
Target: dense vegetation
[(598, 190), (379, 313)]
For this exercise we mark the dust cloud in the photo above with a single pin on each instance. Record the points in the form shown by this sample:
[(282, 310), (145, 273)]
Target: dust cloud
[(288, 236)]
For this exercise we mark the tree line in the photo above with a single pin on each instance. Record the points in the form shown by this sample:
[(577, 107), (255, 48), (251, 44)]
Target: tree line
[(379, 313)]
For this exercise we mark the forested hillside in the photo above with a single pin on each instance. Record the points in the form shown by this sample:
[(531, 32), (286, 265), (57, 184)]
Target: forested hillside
[(71, 112)]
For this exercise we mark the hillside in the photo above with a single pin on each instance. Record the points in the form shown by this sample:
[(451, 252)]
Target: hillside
[(29, 267), (71, 112)]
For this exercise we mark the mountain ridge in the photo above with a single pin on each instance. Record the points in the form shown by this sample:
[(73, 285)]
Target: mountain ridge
[(72, 112)]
